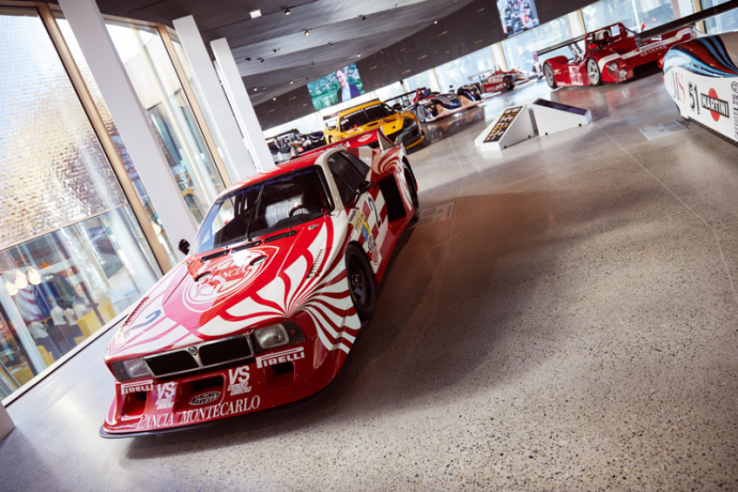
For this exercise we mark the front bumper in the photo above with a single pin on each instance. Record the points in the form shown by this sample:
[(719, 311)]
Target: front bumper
[(278, 377)]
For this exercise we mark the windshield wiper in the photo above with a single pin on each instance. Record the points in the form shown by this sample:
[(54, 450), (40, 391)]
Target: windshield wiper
[(255, 212)]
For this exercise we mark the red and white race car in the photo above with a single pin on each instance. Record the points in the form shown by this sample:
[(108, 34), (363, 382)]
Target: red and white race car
[(498, 80), (271, 297), (611, 54)]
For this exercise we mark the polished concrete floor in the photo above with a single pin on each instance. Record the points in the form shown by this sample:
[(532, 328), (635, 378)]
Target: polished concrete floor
[(570, 326)]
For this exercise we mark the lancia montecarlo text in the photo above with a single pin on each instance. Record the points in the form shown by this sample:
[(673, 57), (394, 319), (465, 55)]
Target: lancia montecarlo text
[(272, 294)]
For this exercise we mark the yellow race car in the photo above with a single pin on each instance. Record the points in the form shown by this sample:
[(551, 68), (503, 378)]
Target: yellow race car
[(399, 126)]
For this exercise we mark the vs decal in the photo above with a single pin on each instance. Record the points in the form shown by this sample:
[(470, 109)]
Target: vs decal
[(238, 381)]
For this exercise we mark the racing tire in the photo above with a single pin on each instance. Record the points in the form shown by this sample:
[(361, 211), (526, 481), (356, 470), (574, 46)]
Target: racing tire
[(593, 72), (548, 73), (508, 84), (361, 282), (412, 189)]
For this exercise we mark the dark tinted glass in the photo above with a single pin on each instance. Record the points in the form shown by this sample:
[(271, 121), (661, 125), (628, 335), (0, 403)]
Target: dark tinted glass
[(346, 175), (377, 112), (354, 119), (358, 163), (287, 200)]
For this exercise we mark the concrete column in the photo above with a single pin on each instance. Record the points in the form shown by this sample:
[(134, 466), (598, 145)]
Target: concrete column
[(134, 126), (434, 85), (215, 101), (500, 56), (682, 8), (6, 423), (697, 7), (241, 104), (580, 17), (572, 22)]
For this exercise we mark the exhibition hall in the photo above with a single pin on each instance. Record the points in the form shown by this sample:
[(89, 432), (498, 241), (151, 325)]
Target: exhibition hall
[(430, 245)]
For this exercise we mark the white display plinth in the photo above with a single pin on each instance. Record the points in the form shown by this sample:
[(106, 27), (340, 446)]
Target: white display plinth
[(552, 117), (513, 126), (6, 424)]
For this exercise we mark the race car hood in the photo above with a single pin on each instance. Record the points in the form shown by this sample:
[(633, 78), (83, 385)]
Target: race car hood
[(226, 292)]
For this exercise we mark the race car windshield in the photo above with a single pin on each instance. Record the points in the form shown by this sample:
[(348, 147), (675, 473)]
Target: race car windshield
[(378, 112), (365, 116), (287, 200), (354, 119)]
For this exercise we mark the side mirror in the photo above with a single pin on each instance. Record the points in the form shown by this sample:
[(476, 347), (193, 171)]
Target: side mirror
[(184, 247), (362, 188), (397, 107)]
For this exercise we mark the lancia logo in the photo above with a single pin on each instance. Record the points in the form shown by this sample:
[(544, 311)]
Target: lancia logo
[(205, 398), (192, 350)]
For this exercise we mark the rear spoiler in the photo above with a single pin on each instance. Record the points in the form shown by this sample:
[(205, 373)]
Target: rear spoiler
[(564, 44), (362, 139), (686, 21)]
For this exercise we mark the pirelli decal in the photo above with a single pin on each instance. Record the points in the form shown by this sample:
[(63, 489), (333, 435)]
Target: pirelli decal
[(715, 105)]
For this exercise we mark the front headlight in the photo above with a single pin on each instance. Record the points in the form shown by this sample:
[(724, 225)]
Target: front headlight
[(613, 66), (271, 336), (136, 368)]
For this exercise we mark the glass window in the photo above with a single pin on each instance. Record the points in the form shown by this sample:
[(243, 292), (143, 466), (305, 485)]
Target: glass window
[(307, 124), (390, 91), (60, 288), (634, 15), (102, 108), (155, 81), (454, 74), (519, 49), (358, 163), (721, 23), (204, 108), (72, 255), (417, 81), (284, 201), (347, 177)]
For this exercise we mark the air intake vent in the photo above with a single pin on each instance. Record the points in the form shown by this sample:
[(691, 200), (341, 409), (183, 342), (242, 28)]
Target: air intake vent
[(317, 264), (229, 350), (135, 311), (171, 363), (214, 255)]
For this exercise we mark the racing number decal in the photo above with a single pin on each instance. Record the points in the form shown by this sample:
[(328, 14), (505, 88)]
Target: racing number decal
[(694, 100)]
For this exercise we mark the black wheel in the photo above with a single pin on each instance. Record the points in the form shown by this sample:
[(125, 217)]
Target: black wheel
[(361, 282), (508, 84), (593, 72), (412, 189), (549, 74)]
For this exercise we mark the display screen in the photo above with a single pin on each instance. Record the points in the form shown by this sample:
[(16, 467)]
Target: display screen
[(340, 86), (560, 107), (517, 15)]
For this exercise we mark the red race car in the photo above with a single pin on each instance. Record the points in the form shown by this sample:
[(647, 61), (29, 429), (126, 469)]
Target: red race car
[(498, 80), (611, 54), (271, 297)]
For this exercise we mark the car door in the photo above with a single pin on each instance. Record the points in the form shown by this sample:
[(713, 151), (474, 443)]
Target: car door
[(349, 172)]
